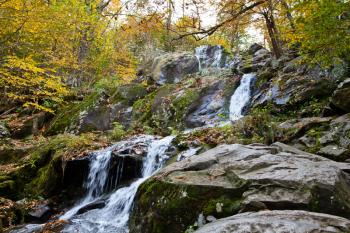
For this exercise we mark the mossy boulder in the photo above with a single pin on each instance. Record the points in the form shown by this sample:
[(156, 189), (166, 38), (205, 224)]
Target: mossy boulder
[(232, 178), (98, 110), (40, 172), (173, 67)]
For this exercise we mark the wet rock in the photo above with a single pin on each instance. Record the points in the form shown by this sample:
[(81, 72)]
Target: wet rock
[(172, 68), (94, 205), (341, 97), (277, 176), (279, 222), (40, 214), (75, 173), (214, 97)]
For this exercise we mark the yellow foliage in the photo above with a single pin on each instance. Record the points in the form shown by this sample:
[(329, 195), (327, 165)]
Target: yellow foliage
[(24, 82)]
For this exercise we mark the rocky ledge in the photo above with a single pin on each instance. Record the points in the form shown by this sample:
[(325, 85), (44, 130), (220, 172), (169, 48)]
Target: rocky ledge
[(278, 222), (231, 179)]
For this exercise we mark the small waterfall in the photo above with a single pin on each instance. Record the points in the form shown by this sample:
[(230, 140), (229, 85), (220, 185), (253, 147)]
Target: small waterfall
[(241, 97), (115, 215)]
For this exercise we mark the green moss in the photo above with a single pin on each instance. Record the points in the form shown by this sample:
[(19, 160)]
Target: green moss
[(129, 93), (142, 109), (118, 131), (181, 105), (48, 178), (69, 114), (161, 205), (222, 207)]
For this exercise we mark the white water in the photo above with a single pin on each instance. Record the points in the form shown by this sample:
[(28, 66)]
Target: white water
[(207, 61), (187, 153), (241, 97), (115, 215)]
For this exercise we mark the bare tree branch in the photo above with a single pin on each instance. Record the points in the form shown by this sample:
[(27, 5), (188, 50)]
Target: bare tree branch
[(213, 29)]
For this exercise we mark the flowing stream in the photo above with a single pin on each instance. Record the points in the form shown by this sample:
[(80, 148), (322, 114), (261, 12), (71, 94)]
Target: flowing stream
[(115, 215)]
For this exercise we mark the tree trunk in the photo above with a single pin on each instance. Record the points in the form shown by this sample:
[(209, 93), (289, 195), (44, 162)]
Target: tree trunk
[(271, 28)]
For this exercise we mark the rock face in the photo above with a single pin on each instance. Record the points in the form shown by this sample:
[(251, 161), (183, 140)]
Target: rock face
[(171, 68), (341, 96), (322, 135), (278, 222), (194, 102), (213, 101), (232, 178)]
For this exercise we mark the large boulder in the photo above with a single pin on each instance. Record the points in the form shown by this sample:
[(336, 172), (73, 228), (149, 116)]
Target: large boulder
[(232, 178), (341, 97), (173, 67), (278, 222)]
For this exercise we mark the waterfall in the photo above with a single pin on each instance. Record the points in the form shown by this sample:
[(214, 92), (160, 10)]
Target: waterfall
[(241, 97), (210, 57), (114, 216)]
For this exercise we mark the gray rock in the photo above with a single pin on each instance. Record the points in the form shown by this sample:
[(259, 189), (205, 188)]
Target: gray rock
[(333, 151), (341, 96), (254, 48), (172, 68), (276, 176), (278, 222), (99, 204), (40, 213), (212, 101)]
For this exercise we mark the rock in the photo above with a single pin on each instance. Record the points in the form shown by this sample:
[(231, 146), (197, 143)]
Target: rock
[(172, 68), (99, 204), (297, 127), (129, 93), (254, 48), (278, 222), (279, 179), (40, 214), (292, 66), (341, 97), (75, 173), (333, 151), (25, 126), (10, 213), (215, 94)]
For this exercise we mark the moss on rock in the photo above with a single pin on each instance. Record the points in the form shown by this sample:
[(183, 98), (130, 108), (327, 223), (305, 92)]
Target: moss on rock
[(167, 207)]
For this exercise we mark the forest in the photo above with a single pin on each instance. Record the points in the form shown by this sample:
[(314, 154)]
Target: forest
[(164, 116)]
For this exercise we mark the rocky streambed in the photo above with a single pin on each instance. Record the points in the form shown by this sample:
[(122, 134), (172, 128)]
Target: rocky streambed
[(256, 144)]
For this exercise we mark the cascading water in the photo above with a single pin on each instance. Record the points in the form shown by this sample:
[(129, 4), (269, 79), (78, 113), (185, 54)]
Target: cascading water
[(241, 97), (115, 215), (210, 57)]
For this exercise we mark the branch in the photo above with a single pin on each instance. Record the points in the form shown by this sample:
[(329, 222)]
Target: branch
[(213, 29)]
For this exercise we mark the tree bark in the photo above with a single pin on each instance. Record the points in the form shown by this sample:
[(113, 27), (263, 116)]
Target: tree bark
[(271, 28)]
